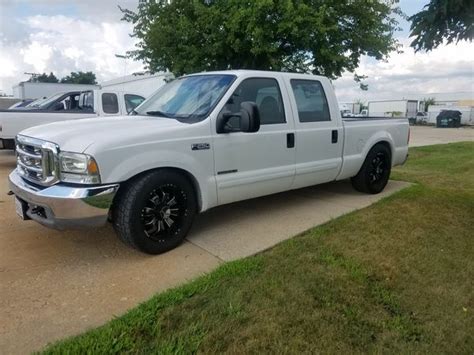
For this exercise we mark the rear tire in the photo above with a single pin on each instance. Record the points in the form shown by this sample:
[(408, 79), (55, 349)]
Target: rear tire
[(374, 174), (155, 211)]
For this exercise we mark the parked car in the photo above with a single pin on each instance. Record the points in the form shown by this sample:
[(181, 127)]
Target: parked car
[(421, 118), (64, 107), (201, 141), (58, 102), (362, 113), (346, 113), (21, 104)]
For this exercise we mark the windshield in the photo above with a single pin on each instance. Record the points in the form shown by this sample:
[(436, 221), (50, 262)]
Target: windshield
[(35, 103), (187, 97), (47, 101)]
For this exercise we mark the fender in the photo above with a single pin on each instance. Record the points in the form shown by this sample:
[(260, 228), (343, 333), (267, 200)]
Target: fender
[(378, 137), (134, 164), (352, 163)]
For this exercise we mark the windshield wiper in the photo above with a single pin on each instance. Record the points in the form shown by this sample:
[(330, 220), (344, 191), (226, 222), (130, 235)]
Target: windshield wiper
[(159, 113)]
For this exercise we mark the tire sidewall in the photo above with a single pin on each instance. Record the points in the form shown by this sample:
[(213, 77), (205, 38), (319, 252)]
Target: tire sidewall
[(377, 187), (135, 224)]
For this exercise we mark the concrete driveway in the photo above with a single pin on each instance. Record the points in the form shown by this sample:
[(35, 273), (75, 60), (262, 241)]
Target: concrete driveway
[(55, 284)]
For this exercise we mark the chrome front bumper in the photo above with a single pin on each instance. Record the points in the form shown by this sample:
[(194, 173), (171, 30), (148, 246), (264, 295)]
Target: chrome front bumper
[(61, 207)]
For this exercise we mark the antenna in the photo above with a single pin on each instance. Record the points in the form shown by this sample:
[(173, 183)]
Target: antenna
[(33, 76)]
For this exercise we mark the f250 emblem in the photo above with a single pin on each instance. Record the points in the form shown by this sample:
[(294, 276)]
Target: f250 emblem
[(200, 146)]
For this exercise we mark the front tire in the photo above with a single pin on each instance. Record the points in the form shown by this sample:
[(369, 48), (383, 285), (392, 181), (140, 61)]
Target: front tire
[(374, 174), (155, 211)]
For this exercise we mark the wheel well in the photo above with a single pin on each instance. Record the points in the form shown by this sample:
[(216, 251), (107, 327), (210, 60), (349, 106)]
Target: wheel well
[(192, 180)]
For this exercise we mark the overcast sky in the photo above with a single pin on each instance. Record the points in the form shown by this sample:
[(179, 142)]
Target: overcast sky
[(70, 35)]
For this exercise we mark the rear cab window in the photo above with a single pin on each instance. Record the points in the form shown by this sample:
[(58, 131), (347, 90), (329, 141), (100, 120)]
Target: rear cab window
[(110, 103), (310, 100)]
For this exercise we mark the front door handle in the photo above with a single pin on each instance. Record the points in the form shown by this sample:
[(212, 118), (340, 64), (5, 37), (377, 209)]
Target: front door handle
[(334, 136), (290, 140)]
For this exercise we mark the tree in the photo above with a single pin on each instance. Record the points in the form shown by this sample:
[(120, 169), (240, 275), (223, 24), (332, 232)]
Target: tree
[(80, 78), (44, 78), (450, 20), (324, 37), (361, 103), (428, 102)]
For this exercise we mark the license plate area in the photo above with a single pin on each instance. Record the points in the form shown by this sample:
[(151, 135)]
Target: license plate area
[(21, 207)]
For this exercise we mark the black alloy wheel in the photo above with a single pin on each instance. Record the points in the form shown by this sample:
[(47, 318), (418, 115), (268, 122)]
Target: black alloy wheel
[(155, 211), (375, 172), (164, 212)]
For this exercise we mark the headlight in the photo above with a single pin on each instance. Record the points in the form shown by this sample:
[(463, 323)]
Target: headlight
[(78, 168)]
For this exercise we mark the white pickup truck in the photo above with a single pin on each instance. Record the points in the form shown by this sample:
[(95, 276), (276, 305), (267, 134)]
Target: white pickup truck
[(71, 105), (201, 141)]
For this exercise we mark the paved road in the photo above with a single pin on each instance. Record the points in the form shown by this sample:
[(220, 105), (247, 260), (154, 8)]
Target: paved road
[(54, 284), (421, 135)]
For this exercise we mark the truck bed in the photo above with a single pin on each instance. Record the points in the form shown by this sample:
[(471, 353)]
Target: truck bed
[(362, 133), (376, 118)]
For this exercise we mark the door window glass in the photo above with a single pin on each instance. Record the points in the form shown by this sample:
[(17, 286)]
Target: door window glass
[(265, 92), (310, 101)]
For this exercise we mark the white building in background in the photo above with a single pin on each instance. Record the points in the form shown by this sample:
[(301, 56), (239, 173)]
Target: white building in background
[(463, 98), (392, 108), (26, 90), (140, 84), (462, 101)]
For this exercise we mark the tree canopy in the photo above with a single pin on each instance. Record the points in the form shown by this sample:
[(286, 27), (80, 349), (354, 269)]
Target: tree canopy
[(80, 78), (324, 37), (450, 20), (44, 78)]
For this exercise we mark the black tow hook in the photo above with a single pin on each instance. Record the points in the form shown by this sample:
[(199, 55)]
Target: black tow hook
[(9, 193)]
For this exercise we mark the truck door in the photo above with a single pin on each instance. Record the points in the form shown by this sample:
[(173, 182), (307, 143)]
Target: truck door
[(318, 132), (255, 164)]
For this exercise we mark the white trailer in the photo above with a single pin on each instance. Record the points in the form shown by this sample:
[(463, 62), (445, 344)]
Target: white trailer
[(26, 90), (142, 84), (393, 108)]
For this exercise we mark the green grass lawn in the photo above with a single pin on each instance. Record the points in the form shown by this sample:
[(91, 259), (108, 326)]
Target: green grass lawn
[(395, 277)]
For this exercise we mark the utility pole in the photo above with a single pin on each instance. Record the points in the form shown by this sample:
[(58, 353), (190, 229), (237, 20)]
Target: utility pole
[(124, 57)]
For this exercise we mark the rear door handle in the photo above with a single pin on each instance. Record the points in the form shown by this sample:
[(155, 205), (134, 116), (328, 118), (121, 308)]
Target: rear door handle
[(334, 136), (290, 140)]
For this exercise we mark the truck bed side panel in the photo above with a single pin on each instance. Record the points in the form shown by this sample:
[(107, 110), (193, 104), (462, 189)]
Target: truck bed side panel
[(361, 135)]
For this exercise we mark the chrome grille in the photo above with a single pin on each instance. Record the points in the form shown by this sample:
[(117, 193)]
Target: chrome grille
[(37, 160)]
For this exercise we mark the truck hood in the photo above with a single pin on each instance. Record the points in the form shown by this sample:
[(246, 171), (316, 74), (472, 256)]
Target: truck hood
[(77, 135)]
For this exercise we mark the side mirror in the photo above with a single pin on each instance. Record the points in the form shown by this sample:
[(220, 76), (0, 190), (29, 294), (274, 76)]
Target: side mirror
[(248, 119)]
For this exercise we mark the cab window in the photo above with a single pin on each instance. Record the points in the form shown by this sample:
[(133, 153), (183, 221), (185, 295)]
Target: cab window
[(265, 92), (110, 103), (310, 100)]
